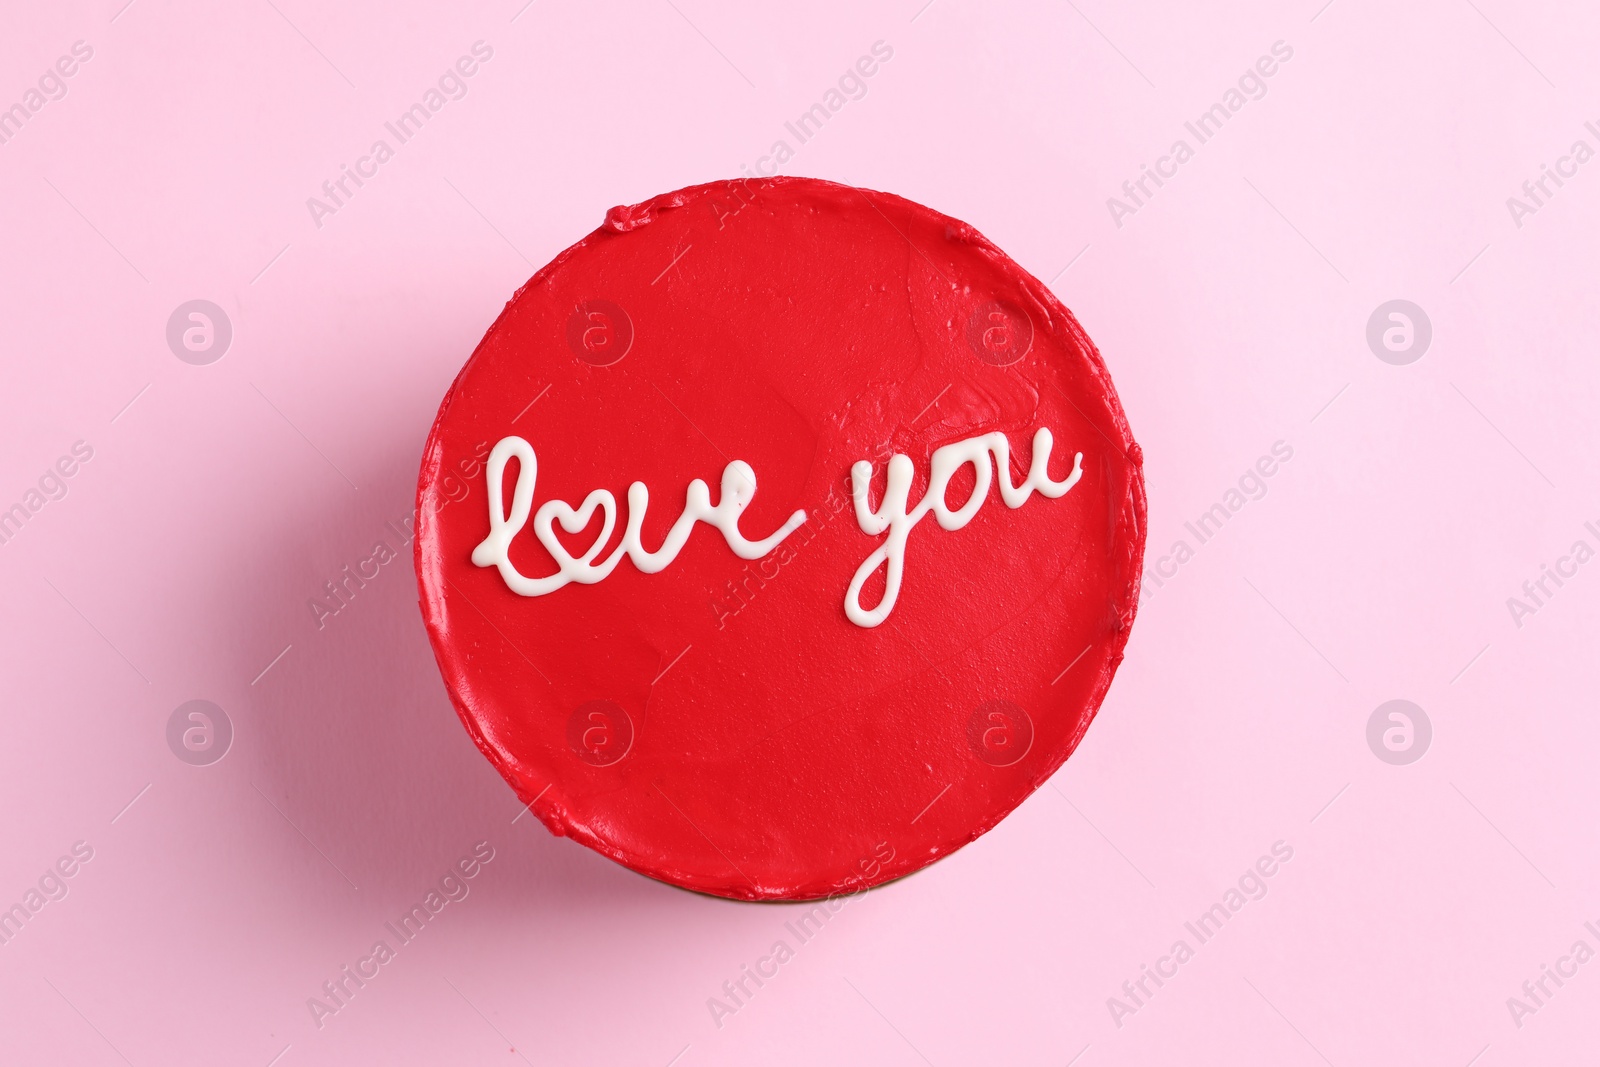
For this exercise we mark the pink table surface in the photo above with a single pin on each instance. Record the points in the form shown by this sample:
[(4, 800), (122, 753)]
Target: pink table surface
[(1232, 304)]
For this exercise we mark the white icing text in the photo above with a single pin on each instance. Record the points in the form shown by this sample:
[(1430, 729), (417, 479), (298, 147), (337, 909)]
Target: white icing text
[(893, 517), (738, 486)]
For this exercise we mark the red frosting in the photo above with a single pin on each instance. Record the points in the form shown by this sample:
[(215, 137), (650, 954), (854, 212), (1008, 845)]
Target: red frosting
[(722, 724)]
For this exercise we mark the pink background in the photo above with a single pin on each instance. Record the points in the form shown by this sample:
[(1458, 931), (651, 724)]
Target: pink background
[(1232, 309)]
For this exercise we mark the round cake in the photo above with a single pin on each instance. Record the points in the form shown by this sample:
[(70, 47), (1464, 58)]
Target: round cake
[(779, 538)]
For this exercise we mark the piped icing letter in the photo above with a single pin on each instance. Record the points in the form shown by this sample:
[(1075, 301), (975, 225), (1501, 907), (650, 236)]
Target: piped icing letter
[(893, 518)]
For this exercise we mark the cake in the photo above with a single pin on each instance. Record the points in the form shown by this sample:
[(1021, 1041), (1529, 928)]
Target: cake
[(800, 539)]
